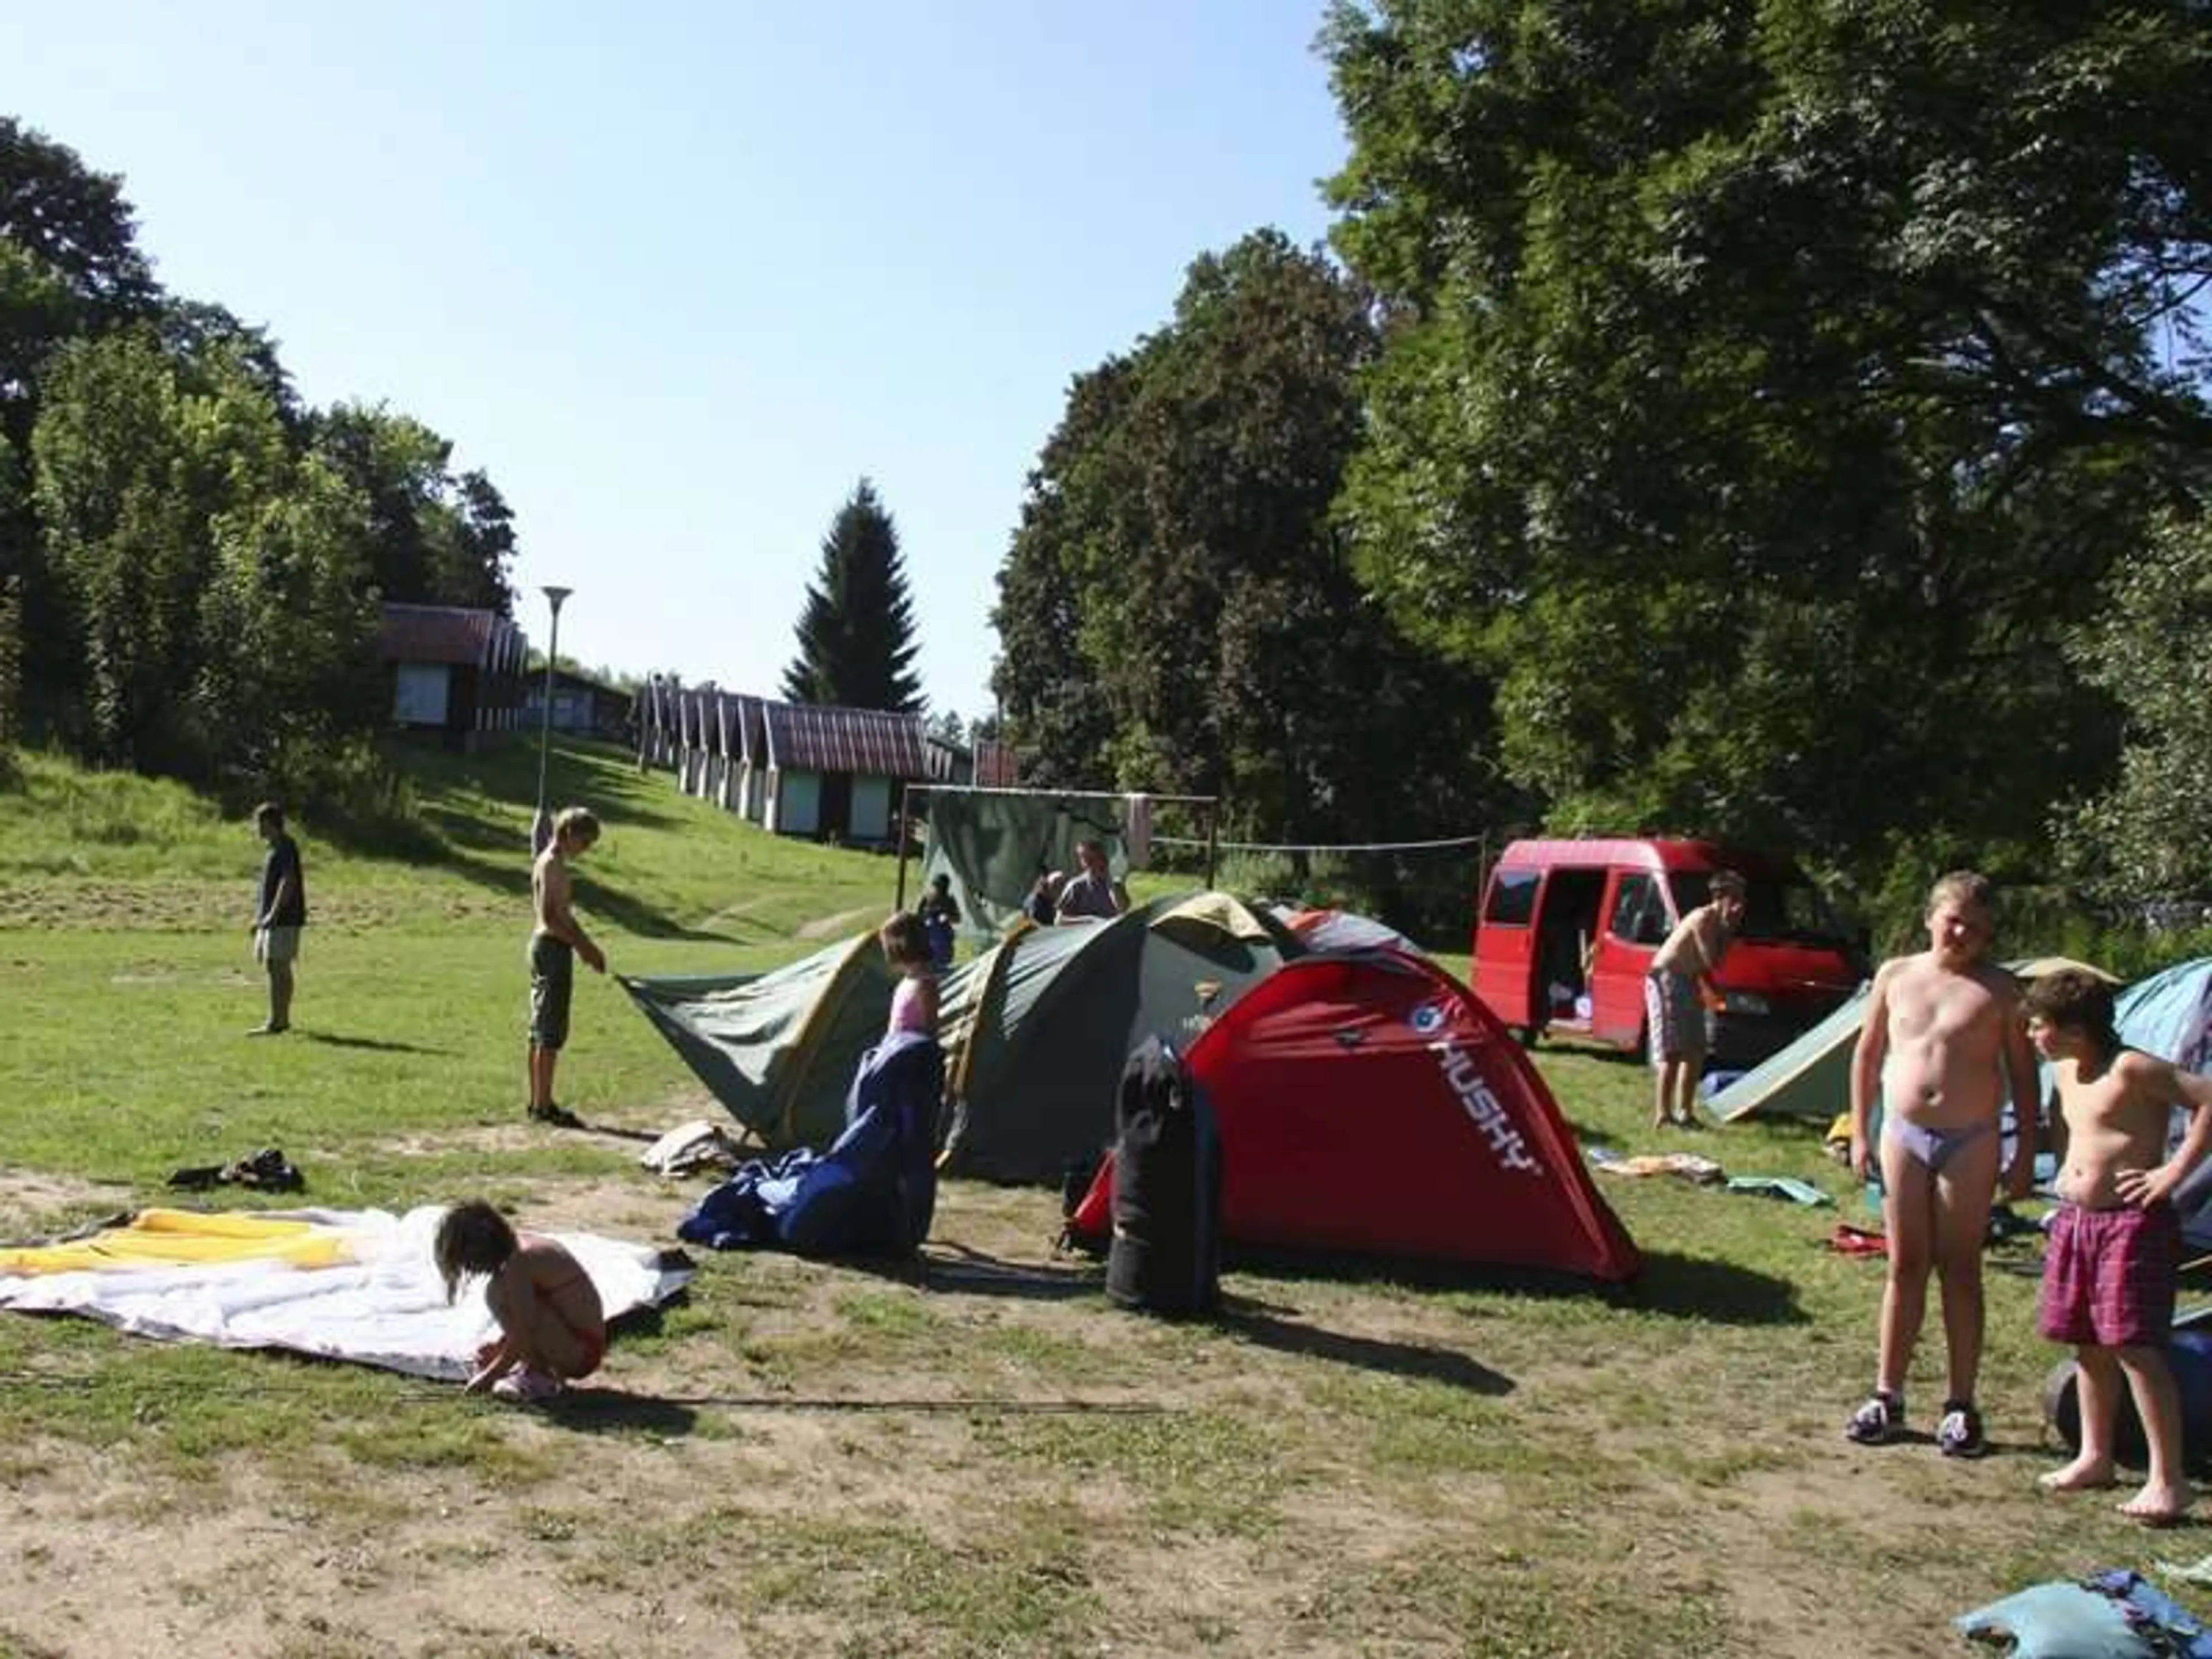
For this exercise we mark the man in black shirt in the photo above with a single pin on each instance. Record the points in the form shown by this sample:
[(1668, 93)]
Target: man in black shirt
[(278, 918)]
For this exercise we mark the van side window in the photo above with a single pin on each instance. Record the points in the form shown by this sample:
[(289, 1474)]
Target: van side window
[(1512, 897), (1639, 914)]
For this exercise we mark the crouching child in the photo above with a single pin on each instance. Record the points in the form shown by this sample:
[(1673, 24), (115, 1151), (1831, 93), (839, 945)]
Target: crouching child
[(552, 1326), (2115, 1247)]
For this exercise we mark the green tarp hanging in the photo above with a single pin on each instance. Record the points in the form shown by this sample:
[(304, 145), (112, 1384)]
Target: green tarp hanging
[(994, 845)]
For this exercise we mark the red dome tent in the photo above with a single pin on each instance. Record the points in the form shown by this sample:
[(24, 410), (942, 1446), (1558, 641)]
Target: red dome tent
[(1368, 1104)]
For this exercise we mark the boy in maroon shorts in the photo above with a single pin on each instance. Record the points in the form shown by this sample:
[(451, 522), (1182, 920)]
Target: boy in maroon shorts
[(2108, 1274)]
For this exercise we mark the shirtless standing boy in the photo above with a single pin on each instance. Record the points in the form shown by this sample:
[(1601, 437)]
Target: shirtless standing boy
[(1678, 989), (555, 941), (1942, 1038), (2108, 1274)]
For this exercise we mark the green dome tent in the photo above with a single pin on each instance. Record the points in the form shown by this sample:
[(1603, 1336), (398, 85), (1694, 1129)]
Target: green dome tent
[(778, 1050), (1037, 1029), (1034, 1030)]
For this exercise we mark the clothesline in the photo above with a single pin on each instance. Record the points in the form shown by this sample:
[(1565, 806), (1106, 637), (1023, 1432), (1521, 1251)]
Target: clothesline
[(1341, 847)]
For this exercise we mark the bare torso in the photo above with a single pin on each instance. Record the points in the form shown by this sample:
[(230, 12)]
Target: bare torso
[(549, 893), (2116, 1120), (1942, 1065), (1695, 947)]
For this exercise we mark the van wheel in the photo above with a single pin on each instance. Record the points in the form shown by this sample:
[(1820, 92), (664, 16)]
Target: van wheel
[(1527, 1035)]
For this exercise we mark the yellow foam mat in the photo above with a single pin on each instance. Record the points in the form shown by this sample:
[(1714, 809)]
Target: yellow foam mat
[(173, 1238)]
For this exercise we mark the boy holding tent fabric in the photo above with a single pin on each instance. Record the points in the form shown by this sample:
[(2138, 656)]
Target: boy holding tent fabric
[(2108, 1274)]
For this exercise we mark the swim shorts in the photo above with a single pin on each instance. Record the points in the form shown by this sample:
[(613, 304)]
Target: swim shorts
[(1676, 1019), (2108, 1276)]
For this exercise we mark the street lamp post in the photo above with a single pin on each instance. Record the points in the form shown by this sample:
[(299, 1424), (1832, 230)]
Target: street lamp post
[(541, 827)]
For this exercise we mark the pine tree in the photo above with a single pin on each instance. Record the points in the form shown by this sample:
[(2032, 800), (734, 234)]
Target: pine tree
[(856, 644)]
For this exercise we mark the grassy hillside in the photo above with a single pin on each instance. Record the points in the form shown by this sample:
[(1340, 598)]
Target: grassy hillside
[(124, 957)]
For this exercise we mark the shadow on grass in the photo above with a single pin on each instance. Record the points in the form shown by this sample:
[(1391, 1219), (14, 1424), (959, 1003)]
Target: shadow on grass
[(1288, 1267), (1245, 1319), (956, 1270), (381, 1045), (602, 1411), (1707, 1288), (511, 877)]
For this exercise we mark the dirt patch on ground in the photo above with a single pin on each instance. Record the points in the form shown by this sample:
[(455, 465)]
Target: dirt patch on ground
[(33, 1205), (974, 1454)]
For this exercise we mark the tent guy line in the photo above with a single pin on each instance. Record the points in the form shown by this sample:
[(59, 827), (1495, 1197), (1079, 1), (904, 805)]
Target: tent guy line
[(582, 1400)]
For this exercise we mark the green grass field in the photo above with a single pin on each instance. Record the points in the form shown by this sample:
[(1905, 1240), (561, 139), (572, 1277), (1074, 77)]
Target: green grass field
[(982, 1458)]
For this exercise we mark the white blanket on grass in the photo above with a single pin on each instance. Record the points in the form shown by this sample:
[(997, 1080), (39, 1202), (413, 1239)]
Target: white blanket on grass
[(383, 1305)]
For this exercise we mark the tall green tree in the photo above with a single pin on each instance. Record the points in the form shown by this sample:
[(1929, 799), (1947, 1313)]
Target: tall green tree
[(288, 626), (132, 465), (1047, 677), (1177, 611), (2149, 835), (1770, 385), (856, 634), (436, 539), (74, 222)]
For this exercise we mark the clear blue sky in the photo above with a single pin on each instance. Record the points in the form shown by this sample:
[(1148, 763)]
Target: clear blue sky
[(677, 278)]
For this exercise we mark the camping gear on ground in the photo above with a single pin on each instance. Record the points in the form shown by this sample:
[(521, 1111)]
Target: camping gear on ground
[(267, 1171), (1809, 1078), (1693, 1167), (1789, 1186), (2190, 1355), (359, 1285), (1165, 1257), (692, 1146), (778, 1050), (2108, 1615), (872, 1193), (1848, 1240), (1368, 1104), (2198, 1571)]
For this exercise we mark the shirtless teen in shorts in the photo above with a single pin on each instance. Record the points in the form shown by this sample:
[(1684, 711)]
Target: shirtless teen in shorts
[(1942, 1038), (557, 940), (1678, 988), (2115, 1249)]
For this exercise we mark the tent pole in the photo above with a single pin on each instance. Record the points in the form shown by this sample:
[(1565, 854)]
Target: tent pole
[(898, 902)]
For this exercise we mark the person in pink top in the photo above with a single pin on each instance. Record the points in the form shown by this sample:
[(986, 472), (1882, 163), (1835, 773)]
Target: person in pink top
[(906, 946)]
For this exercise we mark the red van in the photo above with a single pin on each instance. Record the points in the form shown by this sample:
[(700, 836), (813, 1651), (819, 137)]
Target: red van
[(1568, 929)]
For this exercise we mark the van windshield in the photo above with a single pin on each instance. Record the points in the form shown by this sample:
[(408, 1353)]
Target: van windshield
[(1788, 910)]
